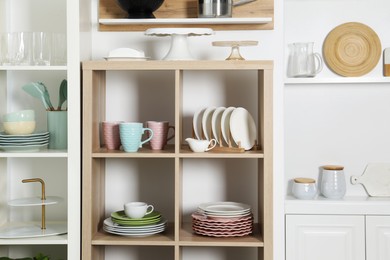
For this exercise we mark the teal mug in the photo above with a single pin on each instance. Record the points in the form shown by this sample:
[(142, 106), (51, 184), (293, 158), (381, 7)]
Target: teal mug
[(131, 136)]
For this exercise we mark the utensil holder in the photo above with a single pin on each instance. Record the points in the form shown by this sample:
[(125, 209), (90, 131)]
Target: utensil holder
[(57, 126)]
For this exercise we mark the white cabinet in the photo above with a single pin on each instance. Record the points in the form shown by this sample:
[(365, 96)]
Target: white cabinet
[(60, 169), (378, 237), (324, 237), (344, 237)]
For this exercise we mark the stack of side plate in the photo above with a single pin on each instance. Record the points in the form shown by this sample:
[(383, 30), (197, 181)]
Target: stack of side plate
[(232, 125), (120, 224), (223, 219), (31, 142)]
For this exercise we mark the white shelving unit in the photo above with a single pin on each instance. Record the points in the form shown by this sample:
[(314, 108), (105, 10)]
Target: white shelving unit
[(60, 169)]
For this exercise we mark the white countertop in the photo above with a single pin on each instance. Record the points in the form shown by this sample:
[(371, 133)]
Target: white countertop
[(350, 205)]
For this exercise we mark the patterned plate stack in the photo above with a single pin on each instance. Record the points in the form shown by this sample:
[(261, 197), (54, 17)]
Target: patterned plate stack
[(223, 219)]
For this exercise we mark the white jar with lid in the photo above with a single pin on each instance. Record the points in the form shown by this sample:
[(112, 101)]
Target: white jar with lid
[(304, 188), (333, 185)]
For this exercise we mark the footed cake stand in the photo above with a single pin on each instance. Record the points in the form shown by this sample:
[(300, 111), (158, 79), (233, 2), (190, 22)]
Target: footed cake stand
[(235, 45), (26, 230), (179, 49)]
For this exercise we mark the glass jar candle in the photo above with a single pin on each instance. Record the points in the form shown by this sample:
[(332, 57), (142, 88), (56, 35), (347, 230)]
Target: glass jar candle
[(333, 185)]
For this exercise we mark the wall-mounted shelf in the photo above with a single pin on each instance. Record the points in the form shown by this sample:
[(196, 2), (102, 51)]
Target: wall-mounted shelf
[(257, 15), (338, 80), (255, 20)]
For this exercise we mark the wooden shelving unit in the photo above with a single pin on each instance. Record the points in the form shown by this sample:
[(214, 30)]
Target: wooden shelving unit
[(179, 234)]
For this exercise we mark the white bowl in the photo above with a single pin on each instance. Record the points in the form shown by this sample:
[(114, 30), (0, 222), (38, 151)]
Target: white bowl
[(18, 116), (19, 128)]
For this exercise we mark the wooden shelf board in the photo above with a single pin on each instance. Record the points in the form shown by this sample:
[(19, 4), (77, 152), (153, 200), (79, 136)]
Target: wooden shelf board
[(243, 20), (178, 65), (162, 239), (185, 152), (169, 152), (189, 238)]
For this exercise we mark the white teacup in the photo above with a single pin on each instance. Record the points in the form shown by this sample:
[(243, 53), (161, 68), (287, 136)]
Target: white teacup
[(137, 209), (199, 146)]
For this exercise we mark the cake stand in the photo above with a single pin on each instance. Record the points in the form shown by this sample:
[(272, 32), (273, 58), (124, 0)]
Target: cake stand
[(179, 49), (235, 45), (27, 230)]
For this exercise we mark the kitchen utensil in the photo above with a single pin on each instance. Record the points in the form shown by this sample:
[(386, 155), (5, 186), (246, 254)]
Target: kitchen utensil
[(38, 90), (160, 134), (304, 188), (215, 8), (140, 8), (137, 210), (199, 146), (302, 61), (57, 125), (243, 128), (63, 93), (333, 184), (131, 135), (352, 49), (23, 115), (19, 127), (375, 179), (179, 49), (235, 47), (218, 8)]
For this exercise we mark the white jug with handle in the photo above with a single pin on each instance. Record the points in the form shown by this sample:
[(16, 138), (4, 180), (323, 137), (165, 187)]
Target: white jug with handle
[(302, 61)]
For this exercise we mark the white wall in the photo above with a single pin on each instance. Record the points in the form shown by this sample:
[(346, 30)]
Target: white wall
[(344, 124), (270, 47)]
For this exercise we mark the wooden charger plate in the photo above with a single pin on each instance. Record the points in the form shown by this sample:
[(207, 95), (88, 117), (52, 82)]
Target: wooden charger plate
[(352, 49)]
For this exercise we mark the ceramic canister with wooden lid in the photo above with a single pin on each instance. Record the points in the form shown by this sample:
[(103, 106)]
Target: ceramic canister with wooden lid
[(304, 188), (333, 184)]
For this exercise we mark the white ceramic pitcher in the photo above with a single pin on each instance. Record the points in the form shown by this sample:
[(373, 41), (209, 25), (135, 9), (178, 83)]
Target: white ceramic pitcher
[(302, 61)]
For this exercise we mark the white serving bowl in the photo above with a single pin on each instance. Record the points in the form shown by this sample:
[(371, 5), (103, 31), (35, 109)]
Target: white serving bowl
[(19, 128)]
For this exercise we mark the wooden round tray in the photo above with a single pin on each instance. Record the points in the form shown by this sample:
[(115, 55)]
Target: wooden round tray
[(352, 49)]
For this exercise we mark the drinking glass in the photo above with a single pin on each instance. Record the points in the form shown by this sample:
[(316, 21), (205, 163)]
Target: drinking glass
[(42, 48)]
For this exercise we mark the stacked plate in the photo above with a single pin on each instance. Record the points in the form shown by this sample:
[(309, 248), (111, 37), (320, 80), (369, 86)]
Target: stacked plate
[(223, 219), (231, 125), (31, 143), (120, 224)]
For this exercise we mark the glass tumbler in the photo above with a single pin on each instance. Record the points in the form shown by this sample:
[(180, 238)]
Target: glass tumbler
[(333, 184)]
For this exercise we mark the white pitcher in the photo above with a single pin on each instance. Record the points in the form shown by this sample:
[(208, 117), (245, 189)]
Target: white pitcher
[(302, 61)]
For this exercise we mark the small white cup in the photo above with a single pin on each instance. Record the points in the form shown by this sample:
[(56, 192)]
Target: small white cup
[(137, 209), (200, 146)]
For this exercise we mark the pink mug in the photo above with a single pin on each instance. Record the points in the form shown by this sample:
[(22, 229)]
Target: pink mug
[(160, 134), (111, 135)]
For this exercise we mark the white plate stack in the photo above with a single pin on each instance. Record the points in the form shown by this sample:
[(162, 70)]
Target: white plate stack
[(223, 219)]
